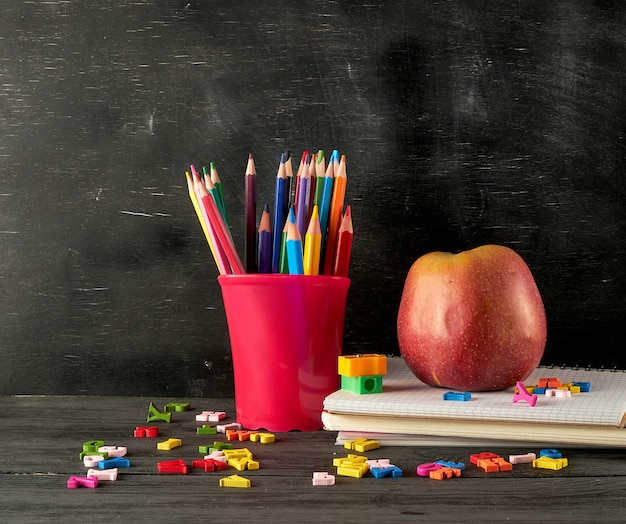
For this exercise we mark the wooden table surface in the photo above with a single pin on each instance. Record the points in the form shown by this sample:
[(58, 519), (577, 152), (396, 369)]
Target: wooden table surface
[(42, 438)]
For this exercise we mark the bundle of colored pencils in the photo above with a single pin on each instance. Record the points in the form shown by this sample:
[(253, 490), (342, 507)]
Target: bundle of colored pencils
[(308, 231)]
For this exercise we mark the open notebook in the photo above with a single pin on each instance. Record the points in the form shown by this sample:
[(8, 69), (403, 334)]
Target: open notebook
[(407, 406)]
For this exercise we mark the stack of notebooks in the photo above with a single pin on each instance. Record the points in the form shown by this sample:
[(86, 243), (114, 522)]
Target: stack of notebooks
[(411, 412)]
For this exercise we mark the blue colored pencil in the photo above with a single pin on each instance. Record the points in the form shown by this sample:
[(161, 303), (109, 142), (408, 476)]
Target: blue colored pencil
[(264, 264), (293, 244), (283, 266), (280, 207)]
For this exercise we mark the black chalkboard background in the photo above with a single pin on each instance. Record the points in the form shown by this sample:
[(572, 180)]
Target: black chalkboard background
[(464, 123)]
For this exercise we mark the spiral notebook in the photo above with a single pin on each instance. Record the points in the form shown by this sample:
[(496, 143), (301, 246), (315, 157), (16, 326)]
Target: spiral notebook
[(409, 407)]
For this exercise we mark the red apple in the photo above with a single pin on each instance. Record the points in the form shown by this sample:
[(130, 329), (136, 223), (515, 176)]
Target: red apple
[(472, 321)]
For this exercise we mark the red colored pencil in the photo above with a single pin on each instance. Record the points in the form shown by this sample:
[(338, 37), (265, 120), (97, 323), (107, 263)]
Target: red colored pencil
[(218, 253), (344, 245), (221, 231)]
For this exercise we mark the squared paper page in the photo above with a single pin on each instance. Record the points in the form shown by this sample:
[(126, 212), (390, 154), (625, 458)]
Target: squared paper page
[(405, 396), (404, 439)]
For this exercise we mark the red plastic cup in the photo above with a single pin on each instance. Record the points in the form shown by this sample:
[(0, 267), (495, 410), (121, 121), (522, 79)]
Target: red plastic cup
[(286, 334)]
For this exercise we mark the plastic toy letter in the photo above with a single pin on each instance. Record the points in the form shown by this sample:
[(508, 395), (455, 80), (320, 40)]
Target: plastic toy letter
[(154, 414), (234, 481), (322, 478), (170, 443), (424, 470), (521, 393), (460, 396), (87, 482)]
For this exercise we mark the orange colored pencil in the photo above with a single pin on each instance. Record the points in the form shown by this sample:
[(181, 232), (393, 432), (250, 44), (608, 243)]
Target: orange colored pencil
[(334, 219), (326, 196), (344, 245)]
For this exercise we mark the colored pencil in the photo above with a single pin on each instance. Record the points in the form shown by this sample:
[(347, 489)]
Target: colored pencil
[(280, 208), (303, 159), (194, 173), (320, 164), (284, 259), (311, 202), (312, 183), (294, 250), (218, 254), (264, 262), (327, 194), (291, 186), (334, 219), (302, 206), (221, 231), (251, 232), (216, 196), (215, 178), (336, 160), (320, 169), (344, 245), (313, 245)]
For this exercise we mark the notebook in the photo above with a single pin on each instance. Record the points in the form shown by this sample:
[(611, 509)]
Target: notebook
[(409, 407)]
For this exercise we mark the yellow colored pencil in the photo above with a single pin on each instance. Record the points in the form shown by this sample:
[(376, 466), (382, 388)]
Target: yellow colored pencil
[(218, 254), (222, 233), (313, 245)]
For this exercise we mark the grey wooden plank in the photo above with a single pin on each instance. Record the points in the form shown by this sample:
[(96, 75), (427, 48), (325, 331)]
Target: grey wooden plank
[(153, 498), (42, 437)]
